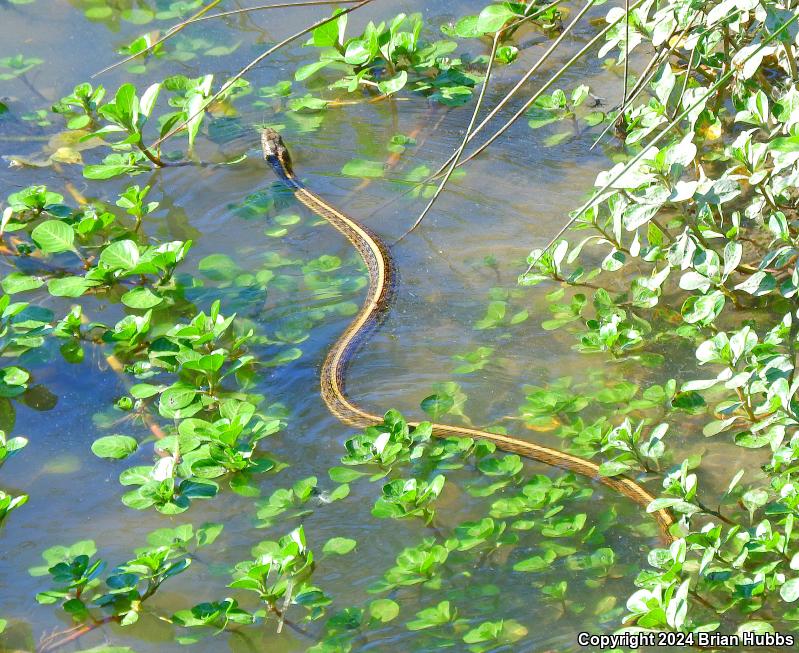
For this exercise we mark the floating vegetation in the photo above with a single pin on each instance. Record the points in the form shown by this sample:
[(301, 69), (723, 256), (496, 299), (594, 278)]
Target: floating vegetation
[(186, 359)]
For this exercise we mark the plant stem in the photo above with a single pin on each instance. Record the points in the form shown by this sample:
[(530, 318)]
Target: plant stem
[(24, 79), (295, 627), (663, 229), (554, 78), (791, 61), (626, 51), (792, 335), (156, 160), (465, 140), (745, 403), (654, 141), (51, 644)]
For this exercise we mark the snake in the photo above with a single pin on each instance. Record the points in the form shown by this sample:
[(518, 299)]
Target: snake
[(380, 265)]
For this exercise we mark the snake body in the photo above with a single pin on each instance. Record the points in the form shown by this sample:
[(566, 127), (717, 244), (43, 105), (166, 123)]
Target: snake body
[(379, 263)]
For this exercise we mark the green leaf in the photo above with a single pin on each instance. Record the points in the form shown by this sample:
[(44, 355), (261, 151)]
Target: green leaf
[(621, 392), (453, 95), (135, 475), (53, 236), (536, 563), (754, 499), (490, 631), (341, 492), (384, 610), (281, 89), (358, 52), (176, 397), (107, 170), (145, 390), (98, 13), (363, 168), (465, 28), (18, 282), (70, 286), (219, 267), (663, 502), (141, 298), (148, 99), (393, 85), (114, 446), (207, 533), (338, 546), (613, 468), (758, 627), (304, 72), (493, 18), (507, 465), (125, 102), (13, 381), (495, 313), (784, 144), (432, 617), (307, 102), (507, 53), (137, 17), (437, 405), (122, 254), (285, 356), (344, 474), (790, 590), (138, 499), (326, 35)]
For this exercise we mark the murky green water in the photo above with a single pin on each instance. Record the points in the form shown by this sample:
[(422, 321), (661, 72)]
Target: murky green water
[(471, 244)]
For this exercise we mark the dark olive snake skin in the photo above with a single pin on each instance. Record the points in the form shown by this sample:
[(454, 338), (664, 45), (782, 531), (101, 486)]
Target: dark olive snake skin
[(379, 264)]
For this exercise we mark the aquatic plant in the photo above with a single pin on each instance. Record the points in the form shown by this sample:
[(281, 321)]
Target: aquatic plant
[(699, 212), (702, 215)]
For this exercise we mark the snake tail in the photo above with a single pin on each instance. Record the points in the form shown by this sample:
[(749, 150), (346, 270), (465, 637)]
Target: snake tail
[(378, 261)]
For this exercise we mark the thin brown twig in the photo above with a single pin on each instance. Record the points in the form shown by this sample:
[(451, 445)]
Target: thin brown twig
[(646, 75), (523, 79), (199, 17), (296, 628), (519, 113), (626, 50), (254, 63), (523, 109), (493, 112), (393, 158), (70, 635), (119, 369), (279, 5), (372, 100), (688, 71), (169, 33), (465, 140), (645, 149)]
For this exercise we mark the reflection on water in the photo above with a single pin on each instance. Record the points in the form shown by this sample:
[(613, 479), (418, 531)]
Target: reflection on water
[(467, 253)]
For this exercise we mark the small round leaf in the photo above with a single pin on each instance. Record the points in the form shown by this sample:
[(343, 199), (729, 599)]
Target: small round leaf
[(114, 446), (339, 546)]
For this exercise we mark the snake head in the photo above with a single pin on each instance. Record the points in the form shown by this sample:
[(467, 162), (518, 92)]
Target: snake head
[(274, 147)]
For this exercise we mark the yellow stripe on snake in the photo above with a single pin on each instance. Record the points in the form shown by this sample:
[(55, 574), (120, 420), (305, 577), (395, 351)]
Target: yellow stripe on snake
[(379, 264)]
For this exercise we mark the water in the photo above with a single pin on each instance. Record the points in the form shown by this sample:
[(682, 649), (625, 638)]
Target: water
[(471, 245)]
